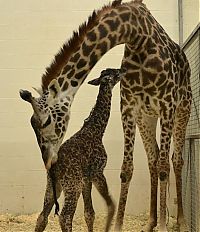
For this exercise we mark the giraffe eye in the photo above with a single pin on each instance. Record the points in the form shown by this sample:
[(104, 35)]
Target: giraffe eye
[(48, 121)]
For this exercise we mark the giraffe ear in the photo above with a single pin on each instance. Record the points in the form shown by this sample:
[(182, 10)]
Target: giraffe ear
[(94, 82), (54, 88)]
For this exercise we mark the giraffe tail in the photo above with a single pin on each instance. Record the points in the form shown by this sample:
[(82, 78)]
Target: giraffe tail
[(53, 181)]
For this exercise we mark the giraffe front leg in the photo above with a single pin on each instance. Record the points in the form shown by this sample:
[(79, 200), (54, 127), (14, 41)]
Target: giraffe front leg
[(48, 204), (88, 207), (147, 127), (72, 190), (163, 168), (129, 128)]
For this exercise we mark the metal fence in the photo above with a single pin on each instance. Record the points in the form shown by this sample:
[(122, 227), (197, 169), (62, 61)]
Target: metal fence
[(191, 171)]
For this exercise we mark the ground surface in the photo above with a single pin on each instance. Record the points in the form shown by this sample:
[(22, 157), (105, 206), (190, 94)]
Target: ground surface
[(26, 223)]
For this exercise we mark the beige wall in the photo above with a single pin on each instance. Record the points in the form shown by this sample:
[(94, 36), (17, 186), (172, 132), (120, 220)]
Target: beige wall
[(31, 31), (191, 16)]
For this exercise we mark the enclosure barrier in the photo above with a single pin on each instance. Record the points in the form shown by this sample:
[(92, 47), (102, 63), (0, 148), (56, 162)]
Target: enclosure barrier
[(191, 171)]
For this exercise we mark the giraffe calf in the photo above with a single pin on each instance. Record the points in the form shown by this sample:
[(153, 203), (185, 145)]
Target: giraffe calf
[(81, 162)]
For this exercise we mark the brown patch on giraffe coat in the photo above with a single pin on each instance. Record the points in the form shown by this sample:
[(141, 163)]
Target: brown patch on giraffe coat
[(125, 17), (66, 68), (144, 26), (127, 52), (103, 47), (65, 86), (121, 32), (113, 24), (123, 8), (75, 57), (169, 87), (161, 91), (80, 74), (113, 39), (154, 63), (60, 81), (137, 89), (92, 36), (162, 78), (151, 90), (71, 74), (93, 59), (102, 31), (87, 49), (74, 83), (81, 63), (133, 78), (63, 108), (148, 77)]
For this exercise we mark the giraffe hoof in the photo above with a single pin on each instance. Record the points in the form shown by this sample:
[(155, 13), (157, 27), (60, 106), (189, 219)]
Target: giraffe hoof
[(148, 228), (118, 227), (183, 228)]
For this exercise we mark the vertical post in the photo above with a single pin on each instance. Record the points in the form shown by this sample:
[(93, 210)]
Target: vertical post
[(193, 185), (180, 21)]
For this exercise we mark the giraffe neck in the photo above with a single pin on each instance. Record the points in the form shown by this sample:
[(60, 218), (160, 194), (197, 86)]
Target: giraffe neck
[(99, 116), (112, 29)]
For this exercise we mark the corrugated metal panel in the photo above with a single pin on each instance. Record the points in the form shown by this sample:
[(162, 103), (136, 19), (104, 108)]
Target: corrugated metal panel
[(191, 171)]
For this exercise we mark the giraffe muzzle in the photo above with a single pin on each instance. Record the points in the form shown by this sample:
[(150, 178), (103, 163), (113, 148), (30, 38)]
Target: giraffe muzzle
[(49, 157)]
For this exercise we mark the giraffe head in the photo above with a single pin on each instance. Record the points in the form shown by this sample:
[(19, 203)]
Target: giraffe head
[(108, 78), (50, 119)]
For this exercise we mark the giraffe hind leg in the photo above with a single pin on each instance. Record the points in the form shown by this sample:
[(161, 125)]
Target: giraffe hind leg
[(163, 165), (179, 130), (101, 185), (88, 207)]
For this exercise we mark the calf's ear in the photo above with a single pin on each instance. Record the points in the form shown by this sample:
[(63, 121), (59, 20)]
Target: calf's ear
[(94, 82)]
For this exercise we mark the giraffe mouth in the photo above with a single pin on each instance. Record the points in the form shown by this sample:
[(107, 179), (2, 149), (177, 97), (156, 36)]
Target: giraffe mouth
[(52, 160), (49, 157)]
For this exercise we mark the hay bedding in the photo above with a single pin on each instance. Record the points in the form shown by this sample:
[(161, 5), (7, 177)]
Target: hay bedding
[(26, 223)]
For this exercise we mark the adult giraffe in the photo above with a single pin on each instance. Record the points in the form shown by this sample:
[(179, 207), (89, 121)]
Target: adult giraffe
[(156, 85)]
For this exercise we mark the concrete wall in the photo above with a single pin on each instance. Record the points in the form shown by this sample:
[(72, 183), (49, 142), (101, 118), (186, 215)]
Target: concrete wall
[(31, 32), (191, 16)]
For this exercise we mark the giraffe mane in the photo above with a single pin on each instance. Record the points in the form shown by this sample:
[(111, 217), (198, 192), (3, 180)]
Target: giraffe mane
[(73, 44)]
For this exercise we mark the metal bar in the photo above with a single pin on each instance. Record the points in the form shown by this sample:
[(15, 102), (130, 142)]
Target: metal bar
[(196, 136), (197, 28), (193, 185), (180, 21)]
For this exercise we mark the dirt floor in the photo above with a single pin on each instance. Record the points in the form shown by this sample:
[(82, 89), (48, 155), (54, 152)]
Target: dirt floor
[(26, 223)]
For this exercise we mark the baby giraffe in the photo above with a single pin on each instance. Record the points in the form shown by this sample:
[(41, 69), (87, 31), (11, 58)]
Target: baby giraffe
[(81, 162)]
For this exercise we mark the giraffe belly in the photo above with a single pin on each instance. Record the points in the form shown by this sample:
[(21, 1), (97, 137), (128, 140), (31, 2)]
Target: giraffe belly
[(149, 111), (147, 106)]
